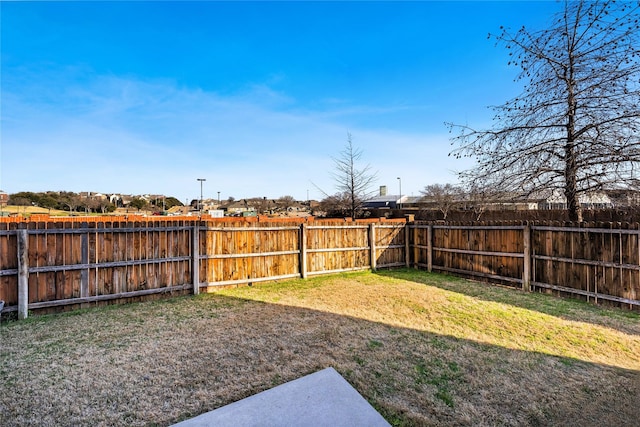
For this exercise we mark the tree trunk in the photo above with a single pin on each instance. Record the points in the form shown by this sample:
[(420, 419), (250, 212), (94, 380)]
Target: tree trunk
[(570, 189), (570, 165)]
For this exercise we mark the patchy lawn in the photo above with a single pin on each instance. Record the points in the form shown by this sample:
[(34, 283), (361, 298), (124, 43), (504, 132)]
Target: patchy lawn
[(424, 349)]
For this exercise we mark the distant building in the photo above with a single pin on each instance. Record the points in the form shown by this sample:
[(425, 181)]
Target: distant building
[(624, 198), (92, 195), (4, 198), (594, 200), (238, 207), (390, 202), (384, 200)]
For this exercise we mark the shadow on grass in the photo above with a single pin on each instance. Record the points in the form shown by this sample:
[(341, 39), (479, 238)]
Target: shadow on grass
[(625, 321), (165, 361)]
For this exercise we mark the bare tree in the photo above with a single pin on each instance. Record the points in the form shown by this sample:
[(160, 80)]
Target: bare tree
[(286, 201), (576, 125), (443, 197), (261, 204), (480, 197), (336, 205), (351, 180)]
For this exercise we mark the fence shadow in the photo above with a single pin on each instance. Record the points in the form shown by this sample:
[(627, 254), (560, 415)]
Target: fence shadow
[(562, 307)]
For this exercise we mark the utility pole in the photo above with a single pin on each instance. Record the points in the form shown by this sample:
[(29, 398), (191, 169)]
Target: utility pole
[(200, 204)]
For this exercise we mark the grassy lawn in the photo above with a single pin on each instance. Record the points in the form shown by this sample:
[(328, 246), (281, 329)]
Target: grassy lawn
[(32, 210), (424, 349)]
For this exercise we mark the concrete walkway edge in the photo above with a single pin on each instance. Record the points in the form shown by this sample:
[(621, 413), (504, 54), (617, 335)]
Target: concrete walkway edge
[(320, 399)]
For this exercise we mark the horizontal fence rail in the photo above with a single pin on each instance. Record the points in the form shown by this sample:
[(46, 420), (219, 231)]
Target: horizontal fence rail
[(45, 265)]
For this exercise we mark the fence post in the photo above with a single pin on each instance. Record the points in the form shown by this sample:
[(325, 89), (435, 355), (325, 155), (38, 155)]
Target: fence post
[(23, 274), (416, 249), (526, 271), (195, 257), (407, 249), (84, 259), (303, 251), (430, 248), (372, 245)]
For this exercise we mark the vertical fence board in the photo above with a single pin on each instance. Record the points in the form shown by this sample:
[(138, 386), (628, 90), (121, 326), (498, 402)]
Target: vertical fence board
[(104, 283), (53, 292), (35, 293), (372, 247), (84, 259), (23, 273), (303, 251), (195, 259), (526, 269), (9, 261)]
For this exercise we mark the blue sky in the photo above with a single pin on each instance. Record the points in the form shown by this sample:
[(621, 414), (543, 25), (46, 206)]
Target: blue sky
[(146, 97)]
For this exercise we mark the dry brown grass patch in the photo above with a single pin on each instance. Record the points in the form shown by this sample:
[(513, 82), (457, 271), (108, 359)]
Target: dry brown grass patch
[(424, 349)]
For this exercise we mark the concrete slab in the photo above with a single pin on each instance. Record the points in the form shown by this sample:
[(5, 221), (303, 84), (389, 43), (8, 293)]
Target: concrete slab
[(321, 399)]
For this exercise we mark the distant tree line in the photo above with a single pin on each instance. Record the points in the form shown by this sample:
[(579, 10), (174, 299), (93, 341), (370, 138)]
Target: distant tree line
[(74, 202), (63, 200)]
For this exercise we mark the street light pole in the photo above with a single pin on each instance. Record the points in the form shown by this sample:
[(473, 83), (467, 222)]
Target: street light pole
[(400, 201), (218, 200), (200, 204)]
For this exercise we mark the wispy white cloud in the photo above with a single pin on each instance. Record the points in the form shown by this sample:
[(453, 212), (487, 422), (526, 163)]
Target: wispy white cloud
[(75, 131)]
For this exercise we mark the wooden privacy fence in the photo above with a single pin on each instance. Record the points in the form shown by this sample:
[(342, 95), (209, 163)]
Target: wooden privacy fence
[(237, 255), (50, 264), (589, 260), (54, 264)]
